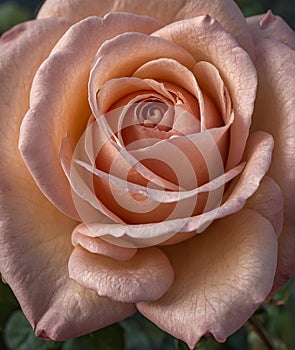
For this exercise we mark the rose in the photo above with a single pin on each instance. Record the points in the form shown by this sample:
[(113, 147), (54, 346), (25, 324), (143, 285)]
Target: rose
[(215, 280)]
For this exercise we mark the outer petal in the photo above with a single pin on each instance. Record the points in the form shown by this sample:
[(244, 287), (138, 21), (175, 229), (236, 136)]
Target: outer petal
[(61, 112), (35, 241), (268, 201), (221, 277), (33, 260), (275, 113), (17, 69), (226, 12), (272, 27), (144, 277)]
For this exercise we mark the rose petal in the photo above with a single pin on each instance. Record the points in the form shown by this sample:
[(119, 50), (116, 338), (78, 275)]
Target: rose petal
[(276, 66), (172, 71), (189, 152), (202, 37), (132, 51), (226, 12), (116, 89), (57, 307), (99, 246), (210, 82), (60, 112), (161, 195), (86, 202), (17, 68), (31, 228), (109, 153), (146, 276), (272, 27), (217, 286), (258, 156), (268, 201)]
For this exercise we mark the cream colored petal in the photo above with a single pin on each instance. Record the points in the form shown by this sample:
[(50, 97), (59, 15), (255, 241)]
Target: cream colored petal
[(56, 306), (99, 246), (62, 109), (221, 277), (82, 191), (272, 27), (268, 201), (116, 89), (258, 158), (145, 276), (198, 153), (162, 195), (132, 51), (226, 12), (17, 69), (210, 82), (171, 70), (274, 113), (206, 40), (30, 227)]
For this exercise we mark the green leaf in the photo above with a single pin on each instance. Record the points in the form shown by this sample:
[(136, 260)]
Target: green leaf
[(11, 14), (180, 345), (209, 343), (239, 340), (19, 335), (140, 333), (8, 303), (283, 295), (109, 338)]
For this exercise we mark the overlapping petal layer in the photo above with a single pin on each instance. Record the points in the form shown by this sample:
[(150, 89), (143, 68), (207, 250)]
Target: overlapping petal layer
[(258, 157), (51, 118), (145, 276), (274, 113), (199, 36), (35, 241), (221, 277), (226, 12)]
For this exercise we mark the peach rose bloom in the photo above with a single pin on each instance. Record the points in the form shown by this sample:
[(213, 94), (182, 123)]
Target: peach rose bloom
[(147, 163)]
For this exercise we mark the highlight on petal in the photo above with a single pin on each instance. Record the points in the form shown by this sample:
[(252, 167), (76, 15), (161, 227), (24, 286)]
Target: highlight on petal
[(17, 69), (217, 286), (268, 201), (57, 307), (165, 69), (212, 84), (146, 276), (99, 246), (277, 85), (202, 38), (226, 12), (60, 112), (132, 51), (258, 158), (31, 227)]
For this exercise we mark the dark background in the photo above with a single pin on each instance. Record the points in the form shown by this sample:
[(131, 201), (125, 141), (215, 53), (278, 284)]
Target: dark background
[(15, 11)]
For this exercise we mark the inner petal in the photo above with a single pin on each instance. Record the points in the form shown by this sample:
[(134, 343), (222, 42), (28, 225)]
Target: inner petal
[(132, 51), (172, 71), (201, 37), (146, 276)]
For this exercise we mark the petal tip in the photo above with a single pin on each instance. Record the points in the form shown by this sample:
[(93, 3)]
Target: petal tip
[(266, 19)]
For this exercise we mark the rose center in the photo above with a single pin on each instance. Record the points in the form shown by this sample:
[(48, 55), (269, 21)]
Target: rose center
[(151, 113)]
